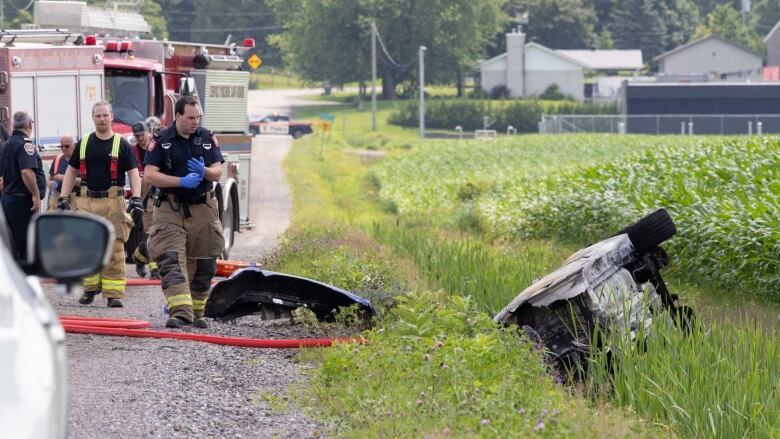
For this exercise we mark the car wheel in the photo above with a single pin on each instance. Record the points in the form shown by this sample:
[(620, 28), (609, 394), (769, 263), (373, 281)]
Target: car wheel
[(650, 231), (297, 134), (228, 230)]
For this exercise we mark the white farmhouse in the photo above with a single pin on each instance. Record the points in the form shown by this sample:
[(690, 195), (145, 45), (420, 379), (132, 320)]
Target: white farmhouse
[(527, 69)]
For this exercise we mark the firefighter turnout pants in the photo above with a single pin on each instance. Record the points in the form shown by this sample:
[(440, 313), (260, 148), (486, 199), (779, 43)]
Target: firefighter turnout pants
[(111, 280), (186, 251), (141, 254)]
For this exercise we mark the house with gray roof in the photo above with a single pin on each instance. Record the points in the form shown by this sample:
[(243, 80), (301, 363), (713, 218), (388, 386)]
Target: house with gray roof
[(714, 56), (528, 69)]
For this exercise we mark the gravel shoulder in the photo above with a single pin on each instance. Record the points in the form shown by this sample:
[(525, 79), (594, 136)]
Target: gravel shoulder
[(137, 387)]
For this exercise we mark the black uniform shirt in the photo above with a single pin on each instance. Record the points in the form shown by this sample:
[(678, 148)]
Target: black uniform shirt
[(168, 143), (19, 153), (98, 160)]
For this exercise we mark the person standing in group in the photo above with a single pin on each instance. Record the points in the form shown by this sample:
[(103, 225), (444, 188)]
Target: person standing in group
[(23, 181), (186, 237), (102, 160), (143, 139), (57, 170)]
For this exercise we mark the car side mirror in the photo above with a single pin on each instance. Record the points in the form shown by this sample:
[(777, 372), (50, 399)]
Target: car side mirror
[(68, 246)]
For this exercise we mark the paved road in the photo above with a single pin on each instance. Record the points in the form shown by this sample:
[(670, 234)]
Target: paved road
[(128, 387)]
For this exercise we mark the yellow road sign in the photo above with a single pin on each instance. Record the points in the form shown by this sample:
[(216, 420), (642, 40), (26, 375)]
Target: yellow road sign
[(254, 61)]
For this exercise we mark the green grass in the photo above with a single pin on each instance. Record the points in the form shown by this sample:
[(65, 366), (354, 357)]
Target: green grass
[(718, 381), (440, 368), (725, 375), (270, 79)]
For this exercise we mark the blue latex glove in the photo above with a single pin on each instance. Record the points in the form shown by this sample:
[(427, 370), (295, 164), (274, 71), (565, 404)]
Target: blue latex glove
[(196, 166), (190, 181)]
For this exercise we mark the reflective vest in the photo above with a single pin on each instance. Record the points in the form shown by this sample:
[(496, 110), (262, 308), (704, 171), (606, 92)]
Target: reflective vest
[(114, 159)]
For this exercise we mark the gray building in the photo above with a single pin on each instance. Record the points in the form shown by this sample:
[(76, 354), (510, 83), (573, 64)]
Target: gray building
[(711, 55), (528, 69), (772, 43)]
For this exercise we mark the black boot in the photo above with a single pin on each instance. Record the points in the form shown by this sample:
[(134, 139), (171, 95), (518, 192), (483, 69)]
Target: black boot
[(176, 322), (140, 269), (114, 303), (88, 297), (200, 323)]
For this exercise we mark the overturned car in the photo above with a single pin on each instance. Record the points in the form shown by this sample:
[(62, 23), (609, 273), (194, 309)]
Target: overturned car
[(612, 285)]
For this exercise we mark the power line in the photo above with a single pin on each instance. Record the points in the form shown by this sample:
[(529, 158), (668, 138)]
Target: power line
[(401, 67)]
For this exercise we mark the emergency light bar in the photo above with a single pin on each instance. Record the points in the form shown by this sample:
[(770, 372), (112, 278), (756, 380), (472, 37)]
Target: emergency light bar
[(40, 36), (119, 46)]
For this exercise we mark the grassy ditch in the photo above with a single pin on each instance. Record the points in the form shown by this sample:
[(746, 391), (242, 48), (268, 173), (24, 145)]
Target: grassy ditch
[(720, 381)]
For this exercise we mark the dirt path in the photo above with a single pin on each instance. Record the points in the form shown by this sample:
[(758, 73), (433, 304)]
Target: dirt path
[(128, 387)]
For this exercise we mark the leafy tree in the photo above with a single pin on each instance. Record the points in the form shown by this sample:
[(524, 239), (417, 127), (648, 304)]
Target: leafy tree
[(765, 14), (203, 21), (559, 24), (636, 24), (152, 13), (727, 23), (681, 18), (331, 39)]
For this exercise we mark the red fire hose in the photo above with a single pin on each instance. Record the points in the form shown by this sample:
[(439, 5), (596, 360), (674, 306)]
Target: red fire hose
[(132, 328)]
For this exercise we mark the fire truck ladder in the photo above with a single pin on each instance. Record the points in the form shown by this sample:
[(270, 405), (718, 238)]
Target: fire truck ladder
[(40, 36)]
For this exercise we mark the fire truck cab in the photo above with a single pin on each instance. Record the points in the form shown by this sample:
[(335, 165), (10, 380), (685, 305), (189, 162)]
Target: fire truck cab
[(144, 78)]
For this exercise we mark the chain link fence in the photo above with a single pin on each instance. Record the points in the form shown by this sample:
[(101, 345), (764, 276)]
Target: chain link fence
[(662, 124)]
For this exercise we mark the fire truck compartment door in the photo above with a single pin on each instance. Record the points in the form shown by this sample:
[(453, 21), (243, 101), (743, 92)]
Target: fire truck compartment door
[(90, 92), (55, 101), (23, 97)]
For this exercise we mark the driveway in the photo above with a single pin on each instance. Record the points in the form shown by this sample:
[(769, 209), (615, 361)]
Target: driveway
[(138, 387)]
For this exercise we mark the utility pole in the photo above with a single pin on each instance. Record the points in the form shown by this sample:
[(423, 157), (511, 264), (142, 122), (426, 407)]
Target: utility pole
[(373, 75), (422, 91)]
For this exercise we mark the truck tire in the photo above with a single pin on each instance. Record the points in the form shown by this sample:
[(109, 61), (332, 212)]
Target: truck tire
[(650, 231), (297, 134)]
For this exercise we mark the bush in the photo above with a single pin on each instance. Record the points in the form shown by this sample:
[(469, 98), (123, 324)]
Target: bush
[(552, 93), (500, 92), (523, 114)]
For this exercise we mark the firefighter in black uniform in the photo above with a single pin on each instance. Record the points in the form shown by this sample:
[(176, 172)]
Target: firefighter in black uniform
[(186, 237), (23, 181)]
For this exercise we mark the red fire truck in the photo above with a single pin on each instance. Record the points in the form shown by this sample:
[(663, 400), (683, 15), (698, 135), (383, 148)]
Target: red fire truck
[(144, 78), (56, 82), (58, 75)]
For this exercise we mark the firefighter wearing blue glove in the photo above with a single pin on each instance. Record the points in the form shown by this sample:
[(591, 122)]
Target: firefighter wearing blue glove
[(186, 236)]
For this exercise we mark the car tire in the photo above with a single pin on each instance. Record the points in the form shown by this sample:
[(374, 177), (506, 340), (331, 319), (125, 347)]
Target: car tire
[(650, 231), (297, 134)]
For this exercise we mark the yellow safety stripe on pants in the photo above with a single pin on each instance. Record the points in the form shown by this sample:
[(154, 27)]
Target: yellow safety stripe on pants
[(91, 282), (179, 300), (198, 305), (113, 284)]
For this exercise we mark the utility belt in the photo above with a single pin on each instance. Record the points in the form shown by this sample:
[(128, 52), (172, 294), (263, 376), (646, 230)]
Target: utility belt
[(161, 195), (76, 192), (111, 193)]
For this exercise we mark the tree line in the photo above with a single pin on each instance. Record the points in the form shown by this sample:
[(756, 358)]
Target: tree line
[(331, 39)]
